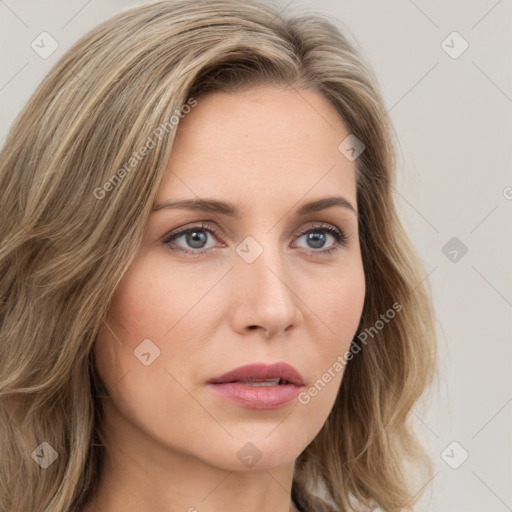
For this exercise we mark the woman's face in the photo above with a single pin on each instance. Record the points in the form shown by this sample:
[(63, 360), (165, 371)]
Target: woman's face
[(269, 284)]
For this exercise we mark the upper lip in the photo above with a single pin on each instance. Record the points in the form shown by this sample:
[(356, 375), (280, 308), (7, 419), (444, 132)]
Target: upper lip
[(261, 371)]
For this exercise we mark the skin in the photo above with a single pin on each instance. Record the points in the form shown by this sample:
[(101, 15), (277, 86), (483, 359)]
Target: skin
[(173, 442)]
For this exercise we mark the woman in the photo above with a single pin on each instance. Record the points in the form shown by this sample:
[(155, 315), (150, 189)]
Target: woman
[(208, 300)]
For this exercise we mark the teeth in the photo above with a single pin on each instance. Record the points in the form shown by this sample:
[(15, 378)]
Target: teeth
[(265, 382), (261, 383)]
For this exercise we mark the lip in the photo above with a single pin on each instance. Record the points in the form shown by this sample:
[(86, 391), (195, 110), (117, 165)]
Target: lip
[(231, 387)]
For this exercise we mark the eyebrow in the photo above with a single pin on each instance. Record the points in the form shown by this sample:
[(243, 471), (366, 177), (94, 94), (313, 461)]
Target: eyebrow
[(226, 208)]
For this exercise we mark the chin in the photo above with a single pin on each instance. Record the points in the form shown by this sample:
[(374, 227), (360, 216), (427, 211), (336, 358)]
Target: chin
[(260, 451)]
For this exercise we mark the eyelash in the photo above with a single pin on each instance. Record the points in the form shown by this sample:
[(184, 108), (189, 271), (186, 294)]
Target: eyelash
[(340, 238)]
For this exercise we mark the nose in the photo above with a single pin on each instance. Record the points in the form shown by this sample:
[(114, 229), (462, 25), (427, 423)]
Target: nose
[(265, 295)]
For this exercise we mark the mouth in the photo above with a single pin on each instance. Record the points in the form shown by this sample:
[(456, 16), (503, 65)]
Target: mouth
[(259, 386), (262, 374)]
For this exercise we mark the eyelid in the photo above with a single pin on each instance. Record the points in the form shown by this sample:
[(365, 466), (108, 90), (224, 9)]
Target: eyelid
[(322, 225)]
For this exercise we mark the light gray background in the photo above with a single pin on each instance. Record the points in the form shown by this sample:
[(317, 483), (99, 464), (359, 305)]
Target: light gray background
[(453, 119)]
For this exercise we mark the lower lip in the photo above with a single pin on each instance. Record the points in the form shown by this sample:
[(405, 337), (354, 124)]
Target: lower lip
[(257, 397)]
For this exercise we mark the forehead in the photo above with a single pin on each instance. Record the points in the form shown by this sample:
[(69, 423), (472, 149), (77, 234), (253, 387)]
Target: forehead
[(270, 141)]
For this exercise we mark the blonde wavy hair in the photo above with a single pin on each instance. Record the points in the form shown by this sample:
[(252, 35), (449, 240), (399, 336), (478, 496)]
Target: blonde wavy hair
[(64, 249)]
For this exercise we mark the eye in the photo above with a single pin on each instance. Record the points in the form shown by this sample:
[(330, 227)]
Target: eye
[(316, 237), (196, 236)]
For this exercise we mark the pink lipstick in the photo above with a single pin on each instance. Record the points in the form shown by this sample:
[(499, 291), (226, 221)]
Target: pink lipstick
[(259, 386)]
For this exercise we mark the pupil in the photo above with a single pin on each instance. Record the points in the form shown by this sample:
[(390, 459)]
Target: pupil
[(318, 239)]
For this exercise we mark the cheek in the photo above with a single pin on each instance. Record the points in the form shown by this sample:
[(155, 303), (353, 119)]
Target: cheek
[(337, 307), (151, 303), (338, 304), (132, 317), (138, 298), (144, 307), (150, 299)]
